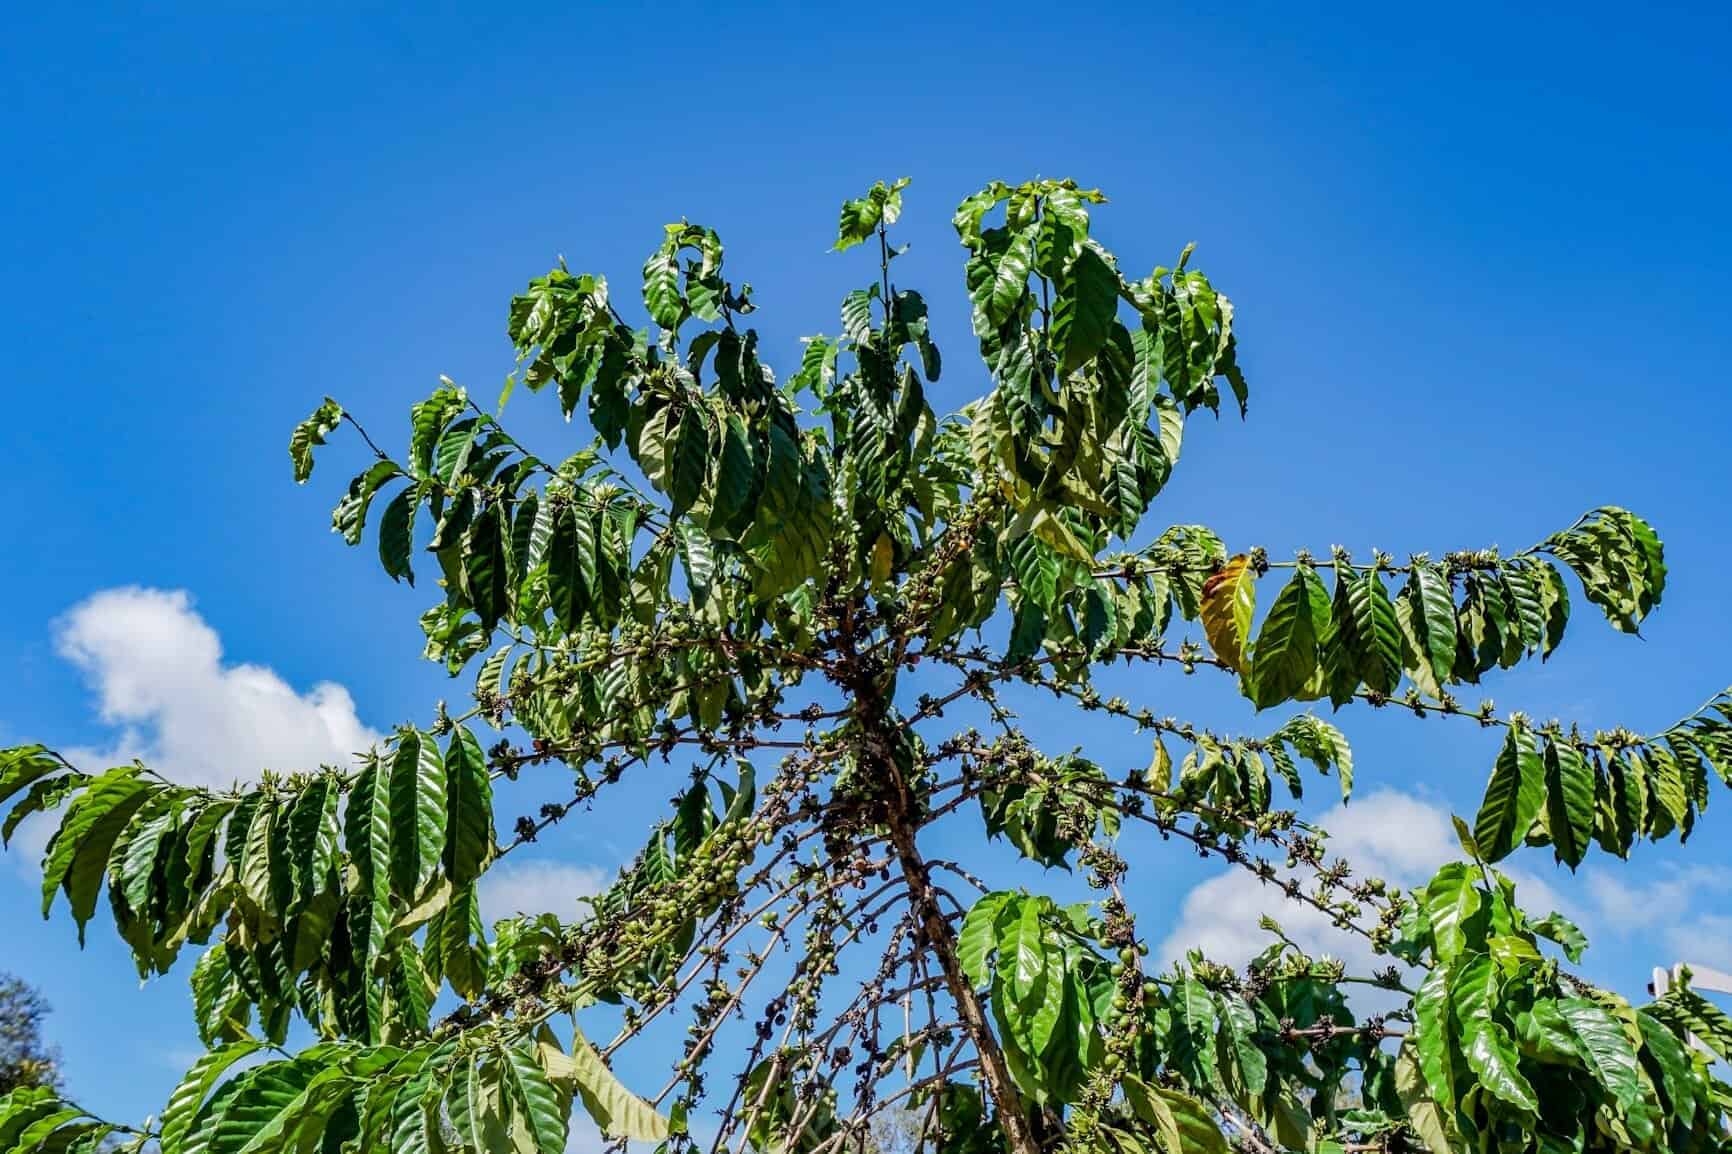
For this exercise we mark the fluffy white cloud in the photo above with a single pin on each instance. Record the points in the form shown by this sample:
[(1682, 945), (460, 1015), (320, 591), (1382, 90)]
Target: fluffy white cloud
[(1386, 834), (158, 671), (1674, 914), (1663, 902), (533, 887), (160, 680), (1403, 839)]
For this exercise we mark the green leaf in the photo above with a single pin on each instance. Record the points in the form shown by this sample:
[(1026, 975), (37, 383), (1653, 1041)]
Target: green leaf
[(860, 217), (859, 220), (418, 813), (23, 1107), (349, 518), (572, 566), (1527, 612), (310, 433), (189, 1095), (1665, 1051), (998, 294), (1028, 632), (733, 502), (1419, 1098), (1376, 634), (135, 851), (661, 288), (1554, 601), (973, 208), (1473, 986), (1570, 789), (1513, 797), (23, 765), (258, 866), (397, 534), (313, 839), (451, 457), (261, 1097), (1040, 1015), (1432, 1036), (1239, 1026), (533, 1094), (35, 1136), (300, 1123), (1557, 928), (1451, 899), (427, 420), (688, 461), (477, 1105), (1431, 611), (979, 935), (1019, 945), (1082, 316), (1610, 1057), (415, 1117), (1183, 1124), (1284, 656), (77, 857), (485, 577), (367, 831), (462, 949), (1493, 1057), (468, 809)]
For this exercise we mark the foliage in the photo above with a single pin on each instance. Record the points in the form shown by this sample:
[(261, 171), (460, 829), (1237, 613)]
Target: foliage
[(785, 585), (25, 1059)]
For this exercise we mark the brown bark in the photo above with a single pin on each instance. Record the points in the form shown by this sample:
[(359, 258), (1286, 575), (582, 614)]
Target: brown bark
[(879, 736), (942, 942)]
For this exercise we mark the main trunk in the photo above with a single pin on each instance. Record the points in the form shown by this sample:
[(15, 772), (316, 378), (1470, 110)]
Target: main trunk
[(879, 737), (941, 940)]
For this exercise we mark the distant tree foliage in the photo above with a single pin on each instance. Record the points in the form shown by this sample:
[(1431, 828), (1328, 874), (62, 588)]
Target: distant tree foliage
[(25, 1059), (785, 585)]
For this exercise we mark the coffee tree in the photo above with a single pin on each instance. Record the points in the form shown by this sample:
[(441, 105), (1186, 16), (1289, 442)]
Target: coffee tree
[(807, 602)]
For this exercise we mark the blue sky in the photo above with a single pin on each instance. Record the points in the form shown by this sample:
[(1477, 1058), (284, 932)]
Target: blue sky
[(1481, 265)]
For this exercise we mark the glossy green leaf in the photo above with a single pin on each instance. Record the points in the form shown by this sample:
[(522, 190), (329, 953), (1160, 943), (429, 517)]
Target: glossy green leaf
[(1284, 656), (1088, 297), (1569, 805), (417, 813), (1513, 797), (77, 857), (1610, 1057), (1493, 1057), (468, 842), (1451, 900), (311, 433), (534, 1096)]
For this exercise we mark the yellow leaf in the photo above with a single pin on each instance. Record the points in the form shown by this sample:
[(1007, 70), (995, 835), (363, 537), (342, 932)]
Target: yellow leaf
[(883, 558), (1160, 775), (1056, 533), (619, 1112), (1229, 602)]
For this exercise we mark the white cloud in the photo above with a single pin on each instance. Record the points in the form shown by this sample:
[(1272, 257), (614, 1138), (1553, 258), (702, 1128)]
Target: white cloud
[(160, 680), (158, 671), (1658, 903), (1386, 834), (533, 887), (1403, 839), (1674, 914), (1704, 941)]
